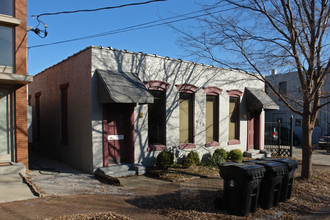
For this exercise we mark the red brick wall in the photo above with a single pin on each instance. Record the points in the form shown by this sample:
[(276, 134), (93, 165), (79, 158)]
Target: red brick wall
[(76, 71), (21, 94)]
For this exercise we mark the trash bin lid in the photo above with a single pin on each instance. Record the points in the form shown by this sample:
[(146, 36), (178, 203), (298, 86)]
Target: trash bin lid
[(249, 171), (273, 167), (292, 164)]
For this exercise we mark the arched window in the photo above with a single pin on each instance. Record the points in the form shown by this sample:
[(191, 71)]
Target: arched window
[(186, 115), (157, 115), (212, 116)]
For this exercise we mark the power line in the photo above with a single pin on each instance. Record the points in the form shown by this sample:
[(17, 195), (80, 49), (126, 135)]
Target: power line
[(97, 9), (138, 26)]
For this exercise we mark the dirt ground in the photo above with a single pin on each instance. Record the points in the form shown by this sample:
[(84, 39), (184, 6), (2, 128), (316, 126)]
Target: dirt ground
[(187, 194)]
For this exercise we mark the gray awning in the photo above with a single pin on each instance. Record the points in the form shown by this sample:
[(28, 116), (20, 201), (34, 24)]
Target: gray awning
[(120, 87), (14, 80), (257, 99)]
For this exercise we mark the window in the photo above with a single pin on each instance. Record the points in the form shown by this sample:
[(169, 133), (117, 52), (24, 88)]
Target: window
[(282, 88), (6, 49), (156, 118), (298, 122), (212, 116), (157, 115), (186, 115), (234, 118), (186, 118), (37, 117), (64, 113), (7, 7)]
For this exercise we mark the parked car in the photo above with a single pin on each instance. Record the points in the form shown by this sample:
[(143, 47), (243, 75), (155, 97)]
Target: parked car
[(324, 143)]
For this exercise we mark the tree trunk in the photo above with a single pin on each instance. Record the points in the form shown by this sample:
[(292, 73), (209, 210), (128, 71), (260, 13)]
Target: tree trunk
[(307, 147)]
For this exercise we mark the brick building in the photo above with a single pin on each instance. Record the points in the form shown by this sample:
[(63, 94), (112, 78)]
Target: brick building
[(103, 106), (13, 80)]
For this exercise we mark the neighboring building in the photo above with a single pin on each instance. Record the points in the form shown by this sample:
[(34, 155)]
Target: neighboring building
[(13, 78), (288, 84), (103, 106)]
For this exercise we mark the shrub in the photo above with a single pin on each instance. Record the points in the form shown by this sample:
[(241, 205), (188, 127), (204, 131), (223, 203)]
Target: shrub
[(219, 156), (191, 159), (220, 153), (235, 155), (165, 160)]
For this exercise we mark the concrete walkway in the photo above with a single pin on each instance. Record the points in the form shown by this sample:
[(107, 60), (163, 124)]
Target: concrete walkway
[(12, 186), (319, 157)]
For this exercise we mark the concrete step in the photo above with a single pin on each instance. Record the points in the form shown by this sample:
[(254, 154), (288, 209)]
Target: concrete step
[(13, 168), (117, 170), (255, 154), (139, 168)]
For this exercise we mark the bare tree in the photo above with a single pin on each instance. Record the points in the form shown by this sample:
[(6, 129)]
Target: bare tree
[(258, 35)]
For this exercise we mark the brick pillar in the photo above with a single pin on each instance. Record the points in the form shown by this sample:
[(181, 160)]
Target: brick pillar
[(21, 94)]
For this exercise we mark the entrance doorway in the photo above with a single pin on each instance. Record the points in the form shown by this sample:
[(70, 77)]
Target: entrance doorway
[(6, 126), (253, 130), (118, 133)]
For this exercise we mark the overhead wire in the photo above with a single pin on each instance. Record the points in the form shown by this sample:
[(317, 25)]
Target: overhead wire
[(97, 9), (140, 26)]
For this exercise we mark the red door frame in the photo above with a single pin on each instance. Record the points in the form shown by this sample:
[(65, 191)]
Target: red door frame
[(255, 118), (129, 134)]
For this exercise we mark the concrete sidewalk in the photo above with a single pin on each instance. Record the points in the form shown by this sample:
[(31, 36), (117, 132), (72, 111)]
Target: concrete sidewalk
[(12, 186), (319, 157)]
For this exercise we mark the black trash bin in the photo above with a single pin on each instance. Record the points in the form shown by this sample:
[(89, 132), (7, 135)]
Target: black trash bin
[(271, 184), (241, 186), (287, 182)]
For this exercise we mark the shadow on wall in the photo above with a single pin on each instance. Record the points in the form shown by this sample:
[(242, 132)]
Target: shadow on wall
[(174, 72)]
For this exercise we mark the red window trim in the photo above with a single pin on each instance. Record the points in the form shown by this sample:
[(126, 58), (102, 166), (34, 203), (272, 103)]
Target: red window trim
[(212, 90), (37, 117), (156, 85), (234, 93), (212, 144), (64, 114), (186, 88), (64, 86), (157, 147), (233, 142), (187, 145)]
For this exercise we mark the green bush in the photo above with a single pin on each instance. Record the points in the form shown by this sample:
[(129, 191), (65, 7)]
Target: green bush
[(219, 156), (164, 160), (191, 159), (235, 155), (220, 153)]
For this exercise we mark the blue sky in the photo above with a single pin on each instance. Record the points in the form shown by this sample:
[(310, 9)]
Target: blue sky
[(160, 40)]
